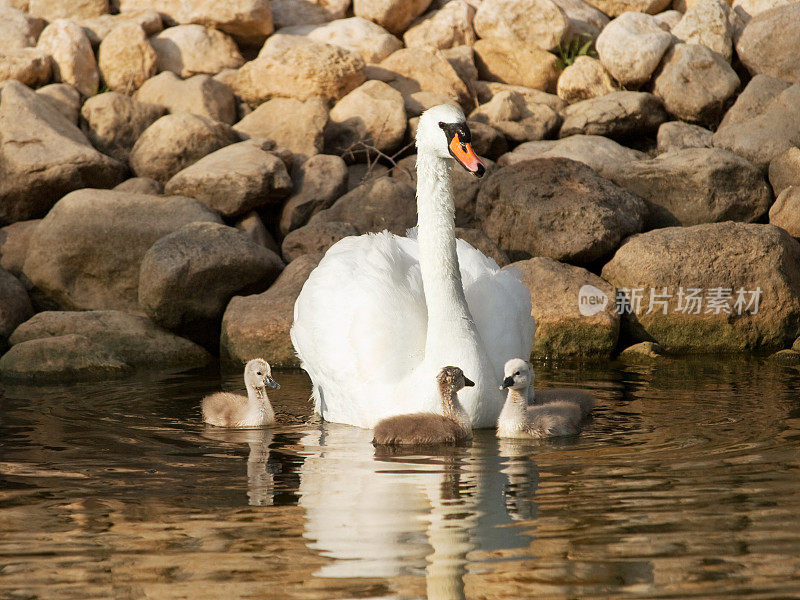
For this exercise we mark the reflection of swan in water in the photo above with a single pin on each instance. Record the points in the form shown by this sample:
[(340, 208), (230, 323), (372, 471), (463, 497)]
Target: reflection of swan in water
[(523, 478), (260, 480), (383, 513)]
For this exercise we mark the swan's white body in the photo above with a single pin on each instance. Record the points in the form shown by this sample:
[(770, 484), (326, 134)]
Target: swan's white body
[(382, 314)]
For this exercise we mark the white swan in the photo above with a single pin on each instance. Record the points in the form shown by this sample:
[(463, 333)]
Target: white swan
[(225, 409), (382, 314)]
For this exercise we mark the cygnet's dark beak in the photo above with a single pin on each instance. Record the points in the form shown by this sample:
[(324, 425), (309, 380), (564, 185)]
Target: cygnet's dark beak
[(468, 382), (271, 383), (507, 382)]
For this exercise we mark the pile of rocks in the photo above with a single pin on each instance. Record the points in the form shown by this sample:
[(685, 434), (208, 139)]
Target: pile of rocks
[(172, 170)]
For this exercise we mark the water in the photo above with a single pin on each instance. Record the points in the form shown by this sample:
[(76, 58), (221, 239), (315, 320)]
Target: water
[(686, 484)]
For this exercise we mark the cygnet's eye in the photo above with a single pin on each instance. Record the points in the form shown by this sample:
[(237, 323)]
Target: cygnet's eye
[(259, 373), (516, 374)]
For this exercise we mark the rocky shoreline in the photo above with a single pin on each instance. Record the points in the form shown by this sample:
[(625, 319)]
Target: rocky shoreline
[(171, 171)]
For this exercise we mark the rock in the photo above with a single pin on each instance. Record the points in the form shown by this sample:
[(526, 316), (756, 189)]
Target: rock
[(584, 79), (72, 55), (288, 13), (753, 100), (668, 19), (371, 117), (585, 21), (574, 310), (618, 115), (721, 287), (631, 47), (30, 66), (498, 60), (64, 98), (601, 154), (18, 29), (14, 240), (413, 70), (63, 358), (558, 208), (479, 240), (695, 83), (290, 123), (696, 185), (784, 170), (487, 141), (462, 59), (67, 9), (187, 277), (249, 21), (540, 23), (253, 227), (614, 8), (796, 346), (85, 254), (188, 50), (747, 9), (44, 156), (393, 15), (259, 325), (444, 28), (777, 28), (519, 119), (360, 173), (234, 180), (199, 95), (141, 185), (113, 122), (785, 213), (707, 23), (366, 38), (677, 135), (485, 91), (175, 142), (133, 339), (126, 59), (319, 182), (642, 351), (384, 203), (785, 357), (314, 238), (768, 135), (97, 28), (418, 102), (293, 66), (15, 306)]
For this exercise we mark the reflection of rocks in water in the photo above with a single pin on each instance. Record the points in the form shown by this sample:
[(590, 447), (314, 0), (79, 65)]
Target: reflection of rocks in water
[(260, 473)]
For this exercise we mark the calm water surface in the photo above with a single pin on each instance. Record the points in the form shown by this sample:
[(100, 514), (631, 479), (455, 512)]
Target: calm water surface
[(686, 484)]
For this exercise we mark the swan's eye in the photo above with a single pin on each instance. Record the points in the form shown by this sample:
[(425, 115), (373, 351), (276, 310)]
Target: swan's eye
[(442, 124)]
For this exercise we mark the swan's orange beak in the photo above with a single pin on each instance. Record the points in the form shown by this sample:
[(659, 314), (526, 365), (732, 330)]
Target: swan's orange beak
[(464, 154)]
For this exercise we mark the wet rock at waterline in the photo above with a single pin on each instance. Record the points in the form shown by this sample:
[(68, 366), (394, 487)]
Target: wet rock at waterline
[(641, 352), (721, 287)]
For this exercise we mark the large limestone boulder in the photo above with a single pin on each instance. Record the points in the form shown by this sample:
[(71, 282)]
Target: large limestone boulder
[(413, 70), (696, 185), (393, 15), (113, 122), (235, 179), (616, 115), (785, 213), (584, 79), (294, 124), (18, 29), (67, 9), (15, 306), (722, 287), (30, 66), (134, 339), (444, 28), (784, 170), (86, 253), (14, 240), (517, 117), (44, 156), (188, 50), (485, 90), (574, 310), (140, 185), (764, 137), (695, 83), (558, 208), (383, 203), (72, 54), (766, 42), (747, 9), (199, 95), (498, 60), (63, 98), (614, 8), (289, 13), (314, 238), (297, 67), (754, 98), (600, 153), (97, 28), (538, 22), (319, 182), (187, 277), (259, 325), (631, 47), (126, 59), (358, 35), (708, 22), (677, 135), (370, 118), (175, 142), (585, 21), (249, 21)]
